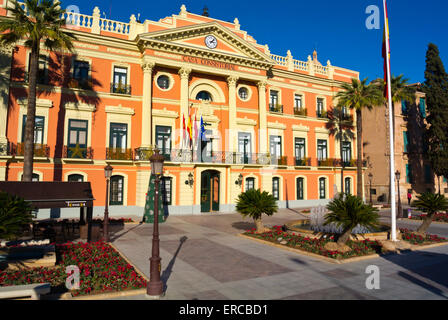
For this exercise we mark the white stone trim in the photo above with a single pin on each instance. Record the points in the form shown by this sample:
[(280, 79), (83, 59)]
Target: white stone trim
[(209, 86), (249, 92), (170, 76), (327, 187), (125, 186), (82, 173), (42, 110), (305, 187)]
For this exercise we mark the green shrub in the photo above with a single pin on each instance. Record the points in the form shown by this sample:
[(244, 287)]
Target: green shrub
[(15, 214)]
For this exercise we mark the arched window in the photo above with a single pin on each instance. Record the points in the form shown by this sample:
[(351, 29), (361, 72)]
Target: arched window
[(75, 178), (204, 95), (116, 190), (348, 186), (322, 188), (250, 183), (300, 188), (276, 188), (34, 177)]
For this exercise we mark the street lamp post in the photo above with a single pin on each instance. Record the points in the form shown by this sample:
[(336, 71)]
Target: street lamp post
[(107, 173), (400, 210), (370, 190), (155, 286)]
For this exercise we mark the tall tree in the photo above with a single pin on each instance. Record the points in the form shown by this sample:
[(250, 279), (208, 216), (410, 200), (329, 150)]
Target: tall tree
[(436, 89), (358, 95), (341, 126), (40, 22)]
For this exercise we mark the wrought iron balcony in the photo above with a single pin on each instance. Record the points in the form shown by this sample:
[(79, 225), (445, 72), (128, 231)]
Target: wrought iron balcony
[(279, 161), (119, 154), (276, 108), (322, 114), (78, 152), (303, 162), (327, 162), (120, 88), (300, 112), (84, 84), (40, 150)]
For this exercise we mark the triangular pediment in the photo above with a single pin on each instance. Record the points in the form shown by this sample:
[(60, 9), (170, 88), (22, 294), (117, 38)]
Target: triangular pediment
[(190, 40)]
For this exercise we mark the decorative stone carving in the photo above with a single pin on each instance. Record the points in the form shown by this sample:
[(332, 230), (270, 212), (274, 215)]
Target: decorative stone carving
[(148, 66), (262, 84), (184, 73), (231, 81), (237, 24)]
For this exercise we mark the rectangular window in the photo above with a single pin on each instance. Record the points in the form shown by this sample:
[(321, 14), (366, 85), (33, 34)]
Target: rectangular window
[(320, 107), (404, 107), (77, 138), (300, 151), (298, 101), (322, 149), (244, 146), (116, 190), (250, 183), (300, 188), (276, 188), (406, 141), (274, 98), (167, 189), (346, 152), (39, 124), (408, 173), (118, 136), (423, 107), (428, 176), (275, 148), (81, 71), (120, 80), (163, 140)]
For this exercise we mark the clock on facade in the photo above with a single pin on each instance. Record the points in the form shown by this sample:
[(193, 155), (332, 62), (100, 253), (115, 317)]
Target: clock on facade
[(211, 42)]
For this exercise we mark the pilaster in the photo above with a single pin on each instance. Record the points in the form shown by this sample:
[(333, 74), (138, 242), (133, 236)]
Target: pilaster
[(262, 120), (184, 74), (231, 82), (147, 67)]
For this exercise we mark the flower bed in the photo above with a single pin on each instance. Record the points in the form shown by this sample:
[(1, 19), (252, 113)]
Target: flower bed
[(115, 220), (102, 269), (408, 235), (359, 248), (439, 217)]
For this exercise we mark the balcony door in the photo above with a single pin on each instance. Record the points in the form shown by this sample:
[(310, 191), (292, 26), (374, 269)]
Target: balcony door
[(275, 148), (244, 144), (346, 153), (77, 138), (163, 140), (118, 136)]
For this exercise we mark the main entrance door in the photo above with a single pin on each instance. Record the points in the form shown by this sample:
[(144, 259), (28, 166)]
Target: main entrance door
[(209, 191)]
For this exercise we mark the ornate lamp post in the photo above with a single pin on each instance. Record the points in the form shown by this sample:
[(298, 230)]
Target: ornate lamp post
[(155, 285), (107, 173), (400, 210), (370, 190)]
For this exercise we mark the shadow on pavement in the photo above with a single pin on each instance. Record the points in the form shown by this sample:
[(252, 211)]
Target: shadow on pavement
[(169, 268), (434, 271)]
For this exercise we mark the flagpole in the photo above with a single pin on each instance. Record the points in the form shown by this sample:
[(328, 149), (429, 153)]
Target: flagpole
[(391, 131)]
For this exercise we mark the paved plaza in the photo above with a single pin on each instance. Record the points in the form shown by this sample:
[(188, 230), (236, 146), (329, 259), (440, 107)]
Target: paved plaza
[(204, 259)]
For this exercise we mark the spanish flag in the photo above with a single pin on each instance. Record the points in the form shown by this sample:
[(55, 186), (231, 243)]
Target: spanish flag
[(386, 50), (190, 129)]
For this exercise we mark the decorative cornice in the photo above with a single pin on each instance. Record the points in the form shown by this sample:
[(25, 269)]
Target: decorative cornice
[(321, 130), (300, 127), (276, 125), (165, 113), (40, 103), (120, 110), (80, 107), (245, 121)]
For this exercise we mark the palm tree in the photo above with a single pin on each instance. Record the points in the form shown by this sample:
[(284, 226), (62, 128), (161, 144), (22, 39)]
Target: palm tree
[(40, 21), (15, 214), (348, 212), (254, 203), (430, 203), (341, 127), (359, 95)]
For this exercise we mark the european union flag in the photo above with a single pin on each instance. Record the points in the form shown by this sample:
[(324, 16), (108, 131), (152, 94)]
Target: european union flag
[(202, 129)]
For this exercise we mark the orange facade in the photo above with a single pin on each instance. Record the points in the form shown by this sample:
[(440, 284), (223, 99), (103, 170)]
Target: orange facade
[(125, 90)]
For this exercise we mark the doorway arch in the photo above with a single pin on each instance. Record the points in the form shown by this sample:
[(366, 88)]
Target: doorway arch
[(210, 180)]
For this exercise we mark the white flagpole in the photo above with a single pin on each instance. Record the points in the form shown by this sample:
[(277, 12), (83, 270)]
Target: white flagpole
[(391, 133)]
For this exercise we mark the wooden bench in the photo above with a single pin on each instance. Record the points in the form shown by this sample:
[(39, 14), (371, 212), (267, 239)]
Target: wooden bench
[(25, 291)]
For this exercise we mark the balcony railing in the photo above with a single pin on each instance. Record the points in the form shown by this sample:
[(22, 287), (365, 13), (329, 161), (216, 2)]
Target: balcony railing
[(303, 162), (40, 150), (279, 161), (276, 108), (77, 152), (119, 154), (80, 84), (322, 114), (219, 157), (300, 112), (120, 88), (327, 162)]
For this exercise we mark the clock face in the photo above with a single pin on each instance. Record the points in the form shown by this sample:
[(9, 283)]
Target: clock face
[(211, 42)]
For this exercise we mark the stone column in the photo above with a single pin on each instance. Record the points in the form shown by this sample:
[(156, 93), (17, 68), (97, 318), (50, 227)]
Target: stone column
[(147, 67), (262, 118), (5, 77), (184, 74), (233, 142)]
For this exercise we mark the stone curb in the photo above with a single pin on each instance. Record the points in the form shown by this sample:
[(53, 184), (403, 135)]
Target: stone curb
[(335, 261), (420, 221)]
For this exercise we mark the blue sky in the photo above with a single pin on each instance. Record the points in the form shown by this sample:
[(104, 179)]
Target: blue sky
[(335, 28)]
